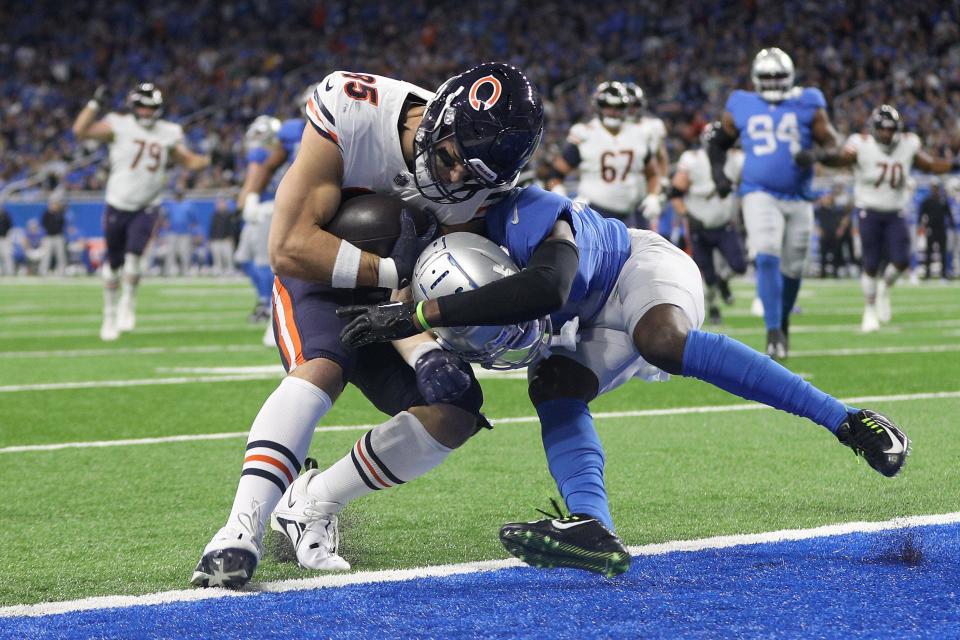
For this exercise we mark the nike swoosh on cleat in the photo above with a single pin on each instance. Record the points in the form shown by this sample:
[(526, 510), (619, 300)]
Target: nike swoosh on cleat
[(897, 446), (568, 525)]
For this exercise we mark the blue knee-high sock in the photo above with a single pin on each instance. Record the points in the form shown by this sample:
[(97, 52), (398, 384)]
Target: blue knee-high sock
[(575, 456), (791, 289), (264, 282), (250, 271), (738, 369), (770, 289)]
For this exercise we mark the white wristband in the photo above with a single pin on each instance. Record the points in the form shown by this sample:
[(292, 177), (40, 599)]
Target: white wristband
[(419, 350), (387, 277), (346, 269)]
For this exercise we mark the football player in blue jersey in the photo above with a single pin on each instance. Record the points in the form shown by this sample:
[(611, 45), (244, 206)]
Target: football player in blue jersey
[(778, 125), (639, 304)]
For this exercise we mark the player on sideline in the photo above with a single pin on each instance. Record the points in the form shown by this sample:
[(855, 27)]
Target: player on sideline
[(710, 217), (639, 300), (449, 153), (882, 161), (140, 146), (618, 170), (775, 122)]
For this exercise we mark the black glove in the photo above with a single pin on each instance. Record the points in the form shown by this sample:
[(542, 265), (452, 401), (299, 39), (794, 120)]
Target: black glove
[(378, 323), (722, 183), (441, 376), (805, 158), (409, 246)]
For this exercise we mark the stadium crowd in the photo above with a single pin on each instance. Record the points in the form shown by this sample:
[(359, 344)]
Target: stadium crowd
[(221, 64)]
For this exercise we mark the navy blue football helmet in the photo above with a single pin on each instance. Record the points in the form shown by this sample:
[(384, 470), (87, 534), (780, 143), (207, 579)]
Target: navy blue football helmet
[(148, 96), (886, 125), (494, 117)]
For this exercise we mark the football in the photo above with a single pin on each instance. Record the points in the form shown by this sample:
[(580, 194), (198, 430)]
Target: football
[(371, 221)]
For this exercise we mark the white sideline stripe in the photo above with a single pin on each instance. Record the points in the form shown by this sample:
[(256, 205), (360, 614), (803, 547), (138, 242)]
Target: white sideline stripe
[(606, 415), (440, 571), (131, 351), (98, 384), (92, 331)]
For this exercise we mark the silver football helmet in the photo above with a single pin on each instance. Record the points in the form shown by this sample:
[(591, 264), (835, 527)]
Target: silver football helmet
[(772, 74), (463, 262), (261, 133)]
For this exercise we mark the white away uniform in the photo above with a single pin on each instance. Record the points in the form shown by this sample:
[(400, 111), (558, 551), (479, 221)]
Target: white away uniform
[(138, 161)]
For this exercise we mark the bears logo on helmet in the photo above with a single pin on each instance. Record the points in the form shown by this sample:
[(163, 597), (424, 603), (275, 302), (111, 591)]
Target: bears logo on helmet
[(493, 117)]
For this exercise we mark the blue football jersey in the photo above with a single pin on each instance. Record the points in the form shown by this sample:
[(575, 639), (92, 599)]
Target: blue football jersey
[(771, 133), (289, 135), (526, 217)]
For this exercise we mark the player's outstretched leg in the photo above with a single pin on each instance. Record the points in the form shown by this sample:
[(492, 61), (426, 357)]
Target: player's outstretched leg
[(664, 338)]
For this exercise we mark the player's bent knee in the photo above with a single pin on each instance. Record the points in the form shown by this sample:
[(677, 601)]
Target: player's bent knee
[(558, 377), (661, 336), (449, 425), (324, 374)]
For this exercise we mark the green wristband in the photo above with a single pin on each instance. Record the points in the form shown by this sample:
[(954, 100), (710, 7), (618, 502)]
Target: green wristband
[(421, 318)]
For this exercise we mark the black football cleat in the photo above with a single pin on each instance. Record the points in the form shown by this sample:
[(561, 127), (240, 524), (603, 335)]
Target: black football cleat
[(575, 541), (713, 316), (725, 293), (875, 437), (230, 568)]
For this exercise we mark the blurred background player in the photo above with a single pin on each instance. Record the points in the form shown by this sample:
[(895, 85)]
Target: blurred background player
[(934, 221), (53, 248), (775, 122), (655, 131), (220, 234), (835, 231), (180, 220), (257, 211), (141, 145), (276, 151), (6, 242), (709, 217), (882, 161), (618, 168)]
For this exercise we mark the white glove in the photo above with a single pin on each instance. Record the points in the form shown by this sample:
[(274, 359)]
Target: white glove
[(251, 207), (651, 206)]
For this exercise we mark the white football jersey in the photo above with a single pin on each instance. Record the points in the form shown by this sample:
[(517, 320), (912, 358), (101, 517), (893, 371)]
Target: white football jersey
[(655, 131), (361, 114), (701, 198), (611, 165), (882, 178), (138, 160)]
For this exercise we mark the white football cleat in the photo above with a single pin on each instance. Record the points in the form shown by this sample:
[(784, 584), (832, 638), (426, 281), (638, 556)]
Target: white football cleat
[(126, 316), (310, 525), (884, 312), (108, 330), (230, 559), (870, 322), (756, 308)]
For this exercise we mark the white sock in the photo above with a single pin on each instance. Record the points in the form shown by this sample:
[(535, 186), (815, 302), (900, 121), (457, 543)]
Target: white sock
[(869, 286), (393, 453), (110, 285), (278, 442), (891, 274)]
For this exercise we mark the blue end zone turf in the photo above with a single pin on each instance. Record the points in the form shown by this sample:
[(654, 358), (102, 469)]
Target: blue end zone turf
[(903, 583)]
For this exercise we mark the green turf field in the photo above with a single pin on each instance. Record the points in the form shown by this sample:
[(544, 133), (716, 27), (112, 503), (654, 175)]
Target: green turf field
[(131, 519)]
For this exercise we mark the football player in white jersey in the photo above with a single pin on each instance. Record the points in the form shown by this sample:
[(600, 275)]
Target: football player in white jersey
[(141, 146), (448, 153), (710, 217), (881, 162), (652, 126), (618, 167)]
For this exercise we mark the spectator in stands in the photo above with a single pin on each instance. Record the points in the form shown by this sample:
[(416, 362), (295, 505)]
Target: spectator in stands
[(834, 226), (935, 219), (6, 242), (53, 247), (221, 238), (181, 223)]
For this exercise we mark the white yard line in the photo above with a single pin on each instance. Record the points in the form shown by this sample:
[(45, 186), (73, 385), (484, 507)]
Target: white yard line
[(145, 382), (604, 415), (133, 351), (439, 571)]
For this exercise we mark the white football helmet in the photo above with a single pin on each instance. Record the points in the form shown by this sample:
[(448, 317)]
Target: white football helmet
[(261, 133), (772, 74), (463, 262)]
